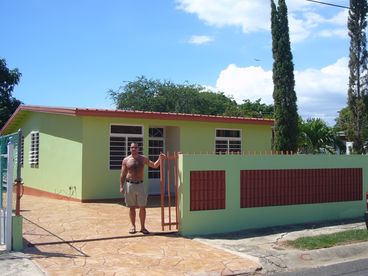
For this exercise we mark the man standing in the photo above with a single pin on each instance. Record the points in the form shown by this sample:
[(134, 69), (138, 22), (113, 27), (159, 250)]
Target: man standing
[(132, 174)]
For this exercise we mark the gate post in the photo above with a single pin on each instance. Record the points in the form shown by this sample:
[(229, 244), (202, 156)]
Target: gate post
[(168, 187), (9, 197), (162, 189), (18, 179)]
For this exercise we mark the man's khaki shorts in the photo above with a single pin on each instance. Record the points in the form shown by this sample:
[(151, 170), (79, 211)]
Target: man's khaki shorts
[(135, 195)]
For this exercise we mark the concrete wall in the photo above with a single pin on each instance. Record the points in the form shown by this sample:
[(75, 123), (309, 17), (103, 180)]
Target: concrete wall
[(234, 218), (17, 233)]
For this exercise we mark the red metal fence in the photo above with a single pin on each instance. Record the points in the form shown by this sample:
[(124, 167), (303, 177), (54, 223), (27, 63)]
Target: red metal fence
[(207, 190), (260, 188), (299, 186), (168, 166)]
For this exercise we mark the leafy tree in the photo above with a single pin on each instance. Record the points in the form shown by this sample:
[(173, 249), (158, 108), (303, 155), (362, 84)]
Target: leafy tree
[(357, 92), (215, 103), (343, 122), (316, 136), (343, 128), (170, 97), (137, 95), (256, 109), (286, 115), (154, 95), (8, 80)]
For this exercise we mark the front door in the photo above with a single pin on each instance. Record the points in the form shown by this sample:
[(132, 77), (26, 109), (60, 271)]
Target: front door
[(156, 145)]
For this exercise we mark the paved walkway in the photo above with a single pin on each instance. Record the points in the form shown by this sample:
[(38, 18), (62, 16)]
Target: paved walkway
[(71, 238)]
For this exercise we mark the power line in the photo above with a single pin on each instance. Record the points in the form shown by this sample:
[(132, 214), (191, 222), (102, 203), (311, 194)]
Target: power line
[(329, 4)]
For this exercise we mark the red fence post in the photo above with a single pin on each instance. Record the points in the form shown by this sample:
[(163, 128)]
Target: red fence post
[(162, 190), (176, 188), (168, 188), (18, 196)]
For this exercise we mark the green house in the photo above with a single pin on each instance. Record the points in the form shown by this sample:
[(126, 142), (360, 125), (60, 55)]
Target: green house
[(76, 153)]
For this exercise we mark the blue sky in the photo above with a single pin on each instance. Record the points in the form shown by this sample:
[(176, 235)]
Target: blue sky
[(70, 53)]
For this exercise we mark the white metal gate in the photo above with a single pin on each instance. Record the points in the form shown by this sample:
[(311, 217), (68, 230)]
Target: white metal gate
[(6, 192)]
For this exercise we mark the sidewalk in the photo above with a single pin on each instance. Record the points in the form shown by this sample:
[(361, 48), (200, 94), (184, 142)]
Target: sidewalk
[(17, 263), (268, 246), (70, 238)]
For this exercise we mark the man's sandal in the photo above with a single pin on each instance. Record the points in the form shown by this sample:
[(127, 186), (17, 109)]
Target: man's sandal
[(145, 232), (132, 230)]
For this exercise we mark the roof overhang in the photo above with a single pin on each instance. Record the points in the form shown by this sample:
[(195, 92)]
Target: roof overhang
[(23, 110)]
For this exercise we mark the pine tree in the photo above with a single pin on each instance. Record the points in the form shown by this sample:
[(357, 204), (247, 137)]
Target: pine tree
[(286, 114), (357, 92)]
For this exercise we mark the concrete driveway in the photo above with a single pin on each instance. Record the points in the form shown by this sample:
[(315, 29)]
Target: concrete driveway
[(71, 238)]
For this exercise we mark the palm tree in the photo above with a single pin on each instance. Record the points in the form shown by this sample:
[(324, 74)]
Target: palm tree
[(316, 136)]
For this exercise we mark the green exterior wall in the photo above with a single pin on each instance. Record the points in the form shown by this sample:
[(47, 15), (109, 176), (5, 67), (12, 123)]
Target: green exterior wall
[(99, 182), (199, 137), (74, 150), (60, 154), (234, 218)]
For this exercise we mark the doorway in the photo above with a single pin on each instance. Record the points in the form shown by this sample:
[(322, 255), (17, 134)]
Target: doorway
[(156, 145)]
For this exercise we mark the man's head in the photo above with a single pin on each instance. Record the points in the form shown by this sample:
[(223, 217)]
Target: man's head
[(134, 148)]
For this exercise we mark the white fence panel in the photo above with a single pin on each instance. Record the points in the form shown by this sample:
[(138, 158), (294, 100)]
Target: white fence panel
[(6, 212)]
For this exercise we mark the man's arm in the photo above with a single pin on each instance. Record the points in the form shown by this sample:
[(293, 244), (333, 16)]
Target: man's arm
[(155, 164), (123, 175)]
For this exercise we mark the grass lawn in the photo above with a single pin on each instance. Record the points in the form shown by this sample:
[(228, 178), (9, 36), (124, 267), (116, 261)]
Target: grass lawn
[(325, 241)]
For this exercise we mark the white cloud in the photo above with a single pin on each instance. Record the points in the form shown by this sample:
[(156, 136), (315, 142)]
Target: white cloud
[(340, 19), (331, 79), (254, 16), (200, 39), (248, 14), (299, 29), (321, 92), (246, 83), (333, 33)]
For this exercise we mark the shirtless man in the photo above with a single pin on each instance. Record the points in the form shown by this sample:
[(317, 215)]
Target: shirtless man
[(132, 174)]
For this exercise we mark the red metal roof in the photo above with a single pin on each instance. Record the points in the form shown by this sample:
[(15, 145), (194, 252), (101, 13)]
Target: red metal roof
[(135, 114)]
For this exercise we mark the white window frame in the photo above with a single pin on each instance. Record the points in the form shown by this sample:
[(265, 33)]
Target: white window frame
[(126, 136), (150, 170), (228, 139), (34, 149)]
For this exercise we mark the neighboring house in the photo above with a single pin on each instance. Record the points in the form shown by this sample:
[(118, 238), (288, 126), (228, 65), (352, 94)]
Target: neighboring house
[(77, 152)]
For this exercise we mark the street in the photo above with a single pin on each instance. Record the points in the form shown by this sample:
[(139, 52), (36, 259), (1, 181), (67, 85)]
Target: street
[(356, 268)]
